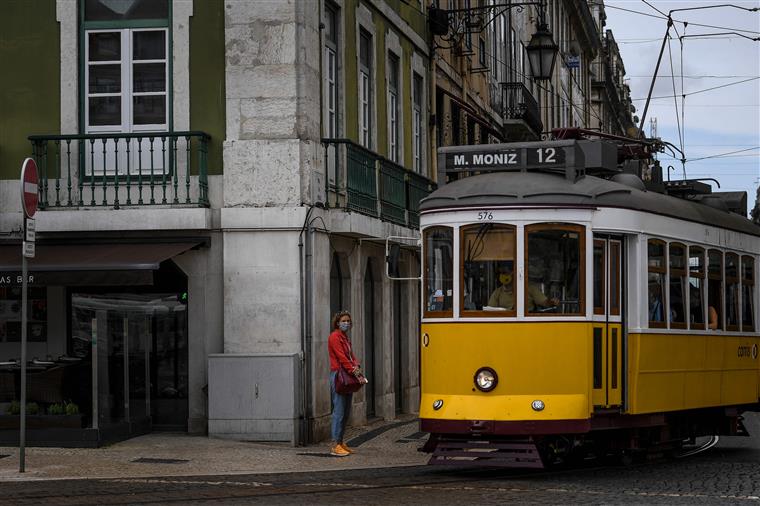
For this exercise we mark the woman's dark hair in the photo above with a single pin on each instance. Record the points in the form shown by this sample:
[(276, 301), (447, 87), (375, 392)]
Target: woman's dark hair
[(337, 316)]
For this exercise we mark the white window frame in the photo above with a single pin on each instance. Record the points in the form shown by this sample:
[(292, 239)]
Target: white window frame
[(330, 75), (127, 95), (365, 93), (417, 117), (394, 64)]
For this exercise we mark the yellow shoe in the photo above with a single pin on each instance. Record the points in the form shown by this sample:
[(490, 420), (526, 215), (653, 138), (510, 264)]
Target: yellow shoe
[(345, 447), (339, 451)]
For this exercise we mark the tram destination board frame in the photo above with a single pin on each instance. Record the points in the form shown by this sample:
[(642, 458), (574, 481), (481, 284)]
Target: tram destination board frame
[(564, 157)]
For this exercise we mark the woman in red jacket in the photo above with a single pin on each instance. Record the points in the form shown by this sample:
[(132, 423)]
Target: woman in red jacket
[(341, 355)]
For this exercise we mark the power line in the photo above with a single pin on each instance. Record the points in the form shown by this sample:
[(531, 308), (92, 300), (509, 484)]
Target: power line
[(706, 89), (679, 21), (725, 154)]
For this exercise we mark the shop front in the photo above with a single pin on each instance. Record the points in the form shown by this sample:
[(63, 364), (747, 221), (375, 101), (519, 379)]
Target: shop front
[(108, 341)]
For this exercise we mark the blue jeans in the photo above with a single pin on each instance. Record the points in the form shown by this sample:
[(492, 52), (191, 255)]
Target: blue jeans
[(341, 410)]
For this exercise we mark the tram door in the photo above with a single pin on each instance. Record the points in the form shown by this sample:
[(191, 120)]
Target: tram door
[(607, 335)]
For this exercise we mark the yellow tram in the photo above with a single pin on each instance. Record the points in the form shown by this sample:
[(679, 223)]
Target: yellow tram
[(571, 308)]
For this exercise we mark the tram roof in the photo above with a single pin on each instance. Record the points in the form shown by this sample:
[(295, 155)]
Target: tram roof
[(525, 189)]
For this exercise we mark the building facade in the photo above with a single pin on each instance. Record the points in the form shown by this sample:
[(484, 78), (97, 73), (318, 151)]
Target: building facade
[(217, 178)]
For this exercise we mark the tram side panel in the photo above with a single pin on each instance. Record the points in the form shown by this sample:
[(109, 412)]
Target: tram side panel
[(550, 362), (671, 372)]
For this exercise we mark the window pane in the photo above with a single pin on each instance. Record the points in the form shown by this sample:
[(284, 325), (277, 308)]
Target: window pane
[(715, 300), (696, 303), (599, 278), (656, 254), (115, 10), (614, 278), (149, 77), (149, 45), (365, 43), (488, 282), (105, 46), (105, 79), (554, 272), (748, 269), (105, 111), (677, 257), (748, 305), (715, 264), (677, 300), (439, 268), (696, 260), (150, 110), (656, 284), (732, 266), (732, 304), (330, 24)]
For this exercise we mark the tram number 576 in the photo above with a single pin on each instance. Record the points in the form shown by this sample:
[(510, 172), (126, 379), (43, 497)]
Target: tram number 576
[(485, 216)]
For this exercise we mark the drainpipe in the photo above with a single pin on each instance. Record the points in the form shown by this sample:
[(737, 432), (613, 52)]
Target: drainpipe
[(304, 279)]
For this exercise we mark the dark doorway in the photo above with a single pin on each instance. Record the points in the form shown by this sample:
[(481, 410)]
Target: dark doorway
[(369, 340)]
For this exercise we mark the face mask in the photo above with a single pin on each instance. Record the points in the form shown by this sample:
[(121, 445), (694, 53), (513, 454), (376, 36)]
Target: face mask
[(344, 326), (505, 279)]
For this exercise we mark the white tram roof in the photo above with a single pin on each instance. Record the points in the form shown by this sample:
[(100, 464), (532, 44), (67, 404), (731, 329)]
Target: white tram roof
[(528, 189)]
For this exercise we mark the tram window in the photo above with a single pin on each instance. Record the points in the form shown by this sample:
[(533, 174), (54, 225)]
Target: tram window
[(615, 278), (599, 272), (656, 282), (554, 269), (677, 281), (715, 286), (488, 282), (748, 289), (732, 291), (697, 288), (439, 267)]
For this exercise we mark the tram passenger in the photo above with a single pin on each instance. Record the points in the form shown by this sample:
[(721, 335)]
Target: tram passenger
[(655, 303), (503, 296), (712, 318), (537, 300)]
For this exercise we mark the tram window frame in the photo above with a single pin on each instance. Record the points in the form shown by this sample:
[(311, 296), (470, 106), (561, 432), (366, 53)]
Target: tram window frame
[(747, 292), (715, 275), (615, 261), (444, 313), (732, 283), (660, 273), (697, 272), (600, 282), (482, 231), (679, 275), (581, 272)]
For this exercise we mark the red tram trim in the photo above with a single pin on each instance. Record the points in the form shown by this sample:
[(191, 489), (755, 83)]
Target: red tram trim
[(541, 427)]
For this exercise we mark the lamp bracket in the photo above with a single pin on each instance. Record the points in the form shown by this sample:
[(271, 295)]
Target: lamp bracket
[(475, 19)]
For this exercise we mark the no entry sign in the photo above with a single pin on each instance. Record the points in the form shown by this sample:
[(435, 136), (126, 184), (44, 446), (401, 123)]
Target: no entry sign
[(29, 195)]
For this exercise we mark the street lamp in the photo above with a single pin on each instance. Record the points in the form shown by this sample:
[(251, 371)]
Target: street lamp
[(542, 50), (542, 53)]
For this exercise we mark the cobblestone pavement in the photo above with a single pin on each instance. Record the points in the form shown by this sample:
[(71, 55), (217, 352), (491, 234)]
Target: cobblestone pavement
[(726, 474)]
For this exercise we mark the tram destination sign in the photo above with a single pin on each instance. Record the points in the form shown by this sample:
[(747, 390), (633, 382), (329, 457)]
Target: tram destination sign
[(507, 158)]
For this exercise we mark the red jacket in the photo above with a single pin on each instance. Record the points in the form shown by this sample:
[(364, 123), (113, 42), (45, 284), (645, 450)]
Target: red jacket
[(339, 346)]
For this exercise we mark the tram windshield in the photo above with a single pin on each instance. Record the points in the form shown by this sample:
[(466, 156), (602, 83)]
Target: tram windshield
[(554, 269), (439, 268), (488, 254)]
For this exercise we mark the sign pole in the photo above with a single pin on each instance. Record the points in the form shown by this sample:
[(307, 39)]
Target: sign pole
[(22, 435), (29, 202)]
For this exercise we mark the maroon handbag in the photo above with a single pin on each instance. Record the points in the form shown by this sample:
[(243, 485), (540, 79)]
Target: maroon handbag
[(346, 383)]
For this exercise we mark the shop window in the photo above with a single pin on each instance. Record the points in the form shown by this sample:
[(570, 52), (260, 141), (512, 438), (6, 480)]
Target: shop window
[(438, 271), (715, 288), (677, 283), (488, 267), (697, 288), (748, 290), (10, 314), (656, 270), (554, 277), (732, 291)]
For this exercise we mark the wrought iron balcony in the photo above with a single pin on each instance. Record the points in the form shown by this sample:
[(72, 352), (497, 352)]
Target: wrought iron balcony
[(361, 180), (520, 111), (115, 170)]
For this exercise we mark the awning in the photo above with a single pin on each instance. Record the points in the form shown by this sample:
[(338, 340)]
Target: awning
[(93, 257)]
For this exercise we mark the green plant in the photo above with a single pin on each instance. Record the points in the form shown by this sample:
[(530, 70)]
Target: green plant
[(71, 408), (14, 408), (56, 409), (32, 408)]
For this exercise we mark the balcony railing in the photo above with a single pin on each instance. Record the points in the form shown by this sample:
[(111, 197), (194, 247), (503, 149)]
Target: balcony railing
[(519, 104), (115, 170), (363, 181)]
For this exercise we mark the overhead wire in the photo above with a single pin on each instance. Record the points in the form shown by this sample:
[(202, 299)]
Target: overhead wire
[(609, 6)]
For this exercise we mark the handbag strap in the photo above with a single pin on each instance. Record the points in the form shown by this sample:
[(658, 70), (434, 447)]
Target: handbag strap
[(347, 348)]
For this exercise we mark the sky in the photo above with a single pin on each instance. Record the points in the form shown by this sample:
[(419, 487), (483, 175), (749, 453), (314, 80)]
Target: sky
[(723, 123)]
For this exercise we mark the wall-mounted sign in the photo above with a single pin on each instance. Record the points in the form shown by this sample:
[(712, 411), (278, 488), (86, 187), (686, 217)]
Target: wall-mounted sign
[(573, 62)]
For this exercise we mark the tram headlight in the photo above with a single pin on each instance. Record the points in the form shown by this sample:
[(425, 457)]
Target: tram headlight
[(486, 379)]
